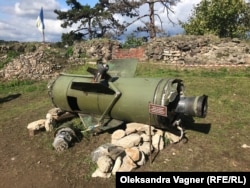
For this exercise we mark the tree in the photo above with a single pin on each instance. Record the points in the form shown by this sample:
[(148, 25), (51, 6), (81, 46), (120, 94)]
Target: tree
[(223, 18), (102, 19), (69, 38), (132, 8), (91, 22)]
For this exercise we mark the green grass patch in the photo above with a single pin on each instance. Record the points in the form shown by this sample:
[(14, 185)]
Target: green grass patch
[(22, 86)]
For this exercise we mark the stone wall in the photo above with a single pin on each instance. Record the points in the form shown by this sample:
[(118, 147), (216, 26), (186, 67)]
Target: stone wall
[(198, 50), (43, 61), (173, 50)]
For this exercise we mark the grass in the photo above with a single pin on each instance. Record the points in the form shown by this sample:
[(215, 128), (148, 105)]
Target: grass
[(217, 150), (228, 114), (22, 86), (163, 70)]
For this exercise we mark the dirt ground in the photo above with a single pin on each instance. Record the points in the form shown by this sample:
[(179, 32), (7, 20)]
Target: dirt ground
[(31, 161), (28, 161)]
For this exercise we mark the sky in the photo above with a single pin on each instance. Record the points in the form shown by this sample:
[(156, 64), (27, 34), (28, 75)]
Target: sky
[(18, 18)]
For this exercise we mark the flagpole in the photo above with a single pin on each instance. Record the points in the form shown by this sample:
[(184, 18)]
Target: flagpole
[(43, 37)]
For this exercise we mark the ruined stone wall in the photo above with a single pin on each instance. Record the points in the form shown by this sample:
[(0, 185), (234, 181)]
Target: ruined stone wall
[(42, 61), (198, 50), (174, 50)]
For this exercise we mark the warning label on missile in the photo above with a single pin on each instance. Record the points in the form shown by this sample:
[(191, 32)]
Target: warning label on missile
[(157, 109)]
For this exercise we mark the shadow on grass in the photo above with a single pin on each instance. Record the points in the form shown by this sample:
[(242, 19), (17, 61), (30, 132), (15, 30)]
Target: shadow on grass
[(9, 98), (189, 124)]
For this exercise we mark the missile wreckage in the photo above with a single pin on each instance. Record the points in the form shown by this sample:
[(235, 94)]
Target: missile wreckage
[(159, 102)]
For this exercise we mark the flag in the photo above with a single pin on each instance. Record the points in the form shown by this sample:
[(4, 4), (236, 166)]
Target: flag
[(40, 22)]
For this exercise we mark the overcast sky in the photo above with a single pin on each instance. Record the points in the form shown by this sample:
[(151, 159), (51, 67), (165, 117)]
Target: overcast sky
[(18, 18)]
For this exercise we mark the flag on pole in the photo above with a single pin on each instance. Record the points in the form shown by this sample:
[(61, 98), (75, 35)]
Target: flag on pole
[(39, 21)]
